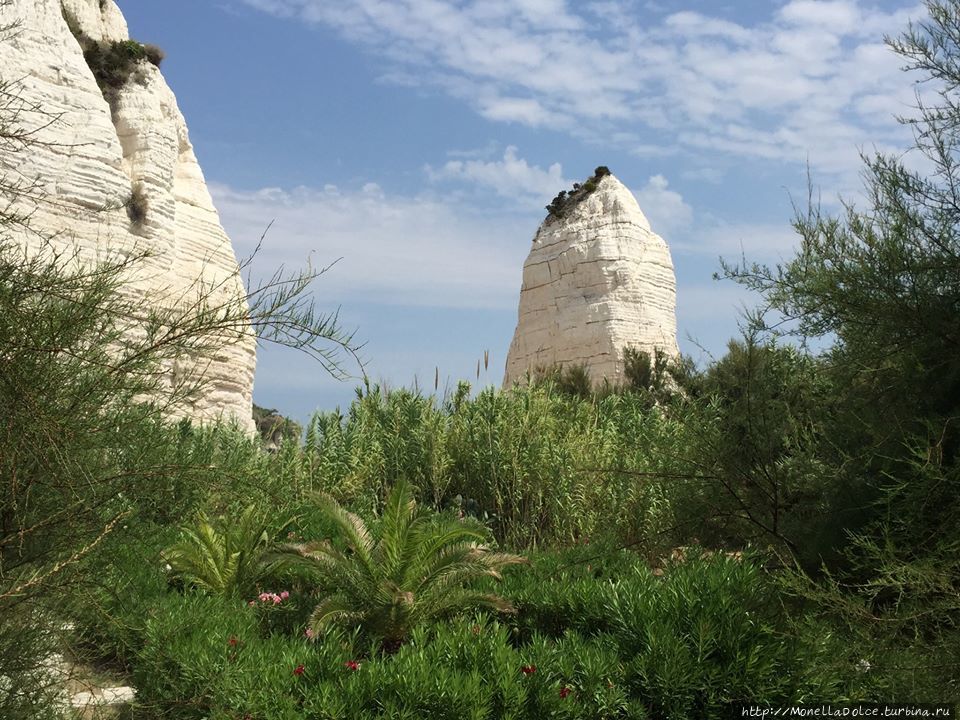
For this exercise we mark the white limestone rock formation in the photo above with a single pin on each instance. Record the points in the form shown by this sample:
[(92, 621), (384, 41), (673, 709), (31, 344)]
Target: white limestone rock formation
[(597, 280), (86, 163)]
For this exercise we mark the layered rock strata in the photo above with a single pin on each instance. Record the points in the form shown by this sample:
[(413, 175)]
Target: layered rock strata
[(597, 281), (87, 159)]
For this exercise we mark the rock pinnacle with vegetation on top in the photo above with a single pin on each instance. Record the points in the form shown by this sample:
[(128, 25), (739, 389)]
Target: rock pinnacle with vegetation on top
[(597, 281), (111, 171)]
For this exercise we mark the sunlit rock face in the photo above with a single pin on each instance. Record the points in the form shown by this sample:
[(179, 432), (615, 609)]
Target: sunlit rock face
[(87, 157), (597, 280)]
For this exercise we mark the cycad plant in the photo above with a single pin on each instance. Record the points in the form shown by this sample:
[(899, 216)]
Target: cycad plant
[(224, 561), (419, 569)]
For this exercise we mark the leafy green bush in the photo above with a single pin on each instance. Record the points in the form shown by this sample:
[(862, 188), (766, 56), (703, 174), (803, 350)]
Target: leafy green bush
[(573, 380), (711, 632), (565, 200), (228, 561), (705, 632), (418, 570), (629, 644), (113, 64), (274, 428)]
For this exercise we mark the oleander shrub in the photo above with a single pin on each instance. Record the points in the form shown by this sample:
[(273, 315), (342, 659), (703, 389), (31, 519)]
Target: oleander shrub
[(698, 633), (706, 632)]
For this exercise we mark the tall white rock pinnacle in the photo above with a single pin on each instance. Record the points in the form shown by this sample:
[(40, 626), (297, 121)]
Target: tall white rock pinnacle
[(597, 280), (87, 157)]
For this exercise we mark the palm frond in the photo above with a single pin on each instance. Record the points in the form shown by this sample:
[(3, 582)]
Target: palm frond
[(334, 609), (221, 561), (399, 518), (459, 600), (443, 537), (417, 569), (351, 526)]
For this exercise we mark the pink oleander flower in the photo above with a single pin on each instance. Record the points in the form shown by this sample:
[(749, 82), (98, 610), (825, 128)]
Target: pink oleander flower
[(309, 633), (284, 595), (352, 665)]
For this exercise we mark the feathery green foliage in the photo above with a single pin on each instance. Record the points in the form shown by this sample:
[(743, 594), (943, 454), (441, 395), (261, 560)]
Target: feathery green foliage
[(224, 561), (537, 466), (420, 568), (880, 284)]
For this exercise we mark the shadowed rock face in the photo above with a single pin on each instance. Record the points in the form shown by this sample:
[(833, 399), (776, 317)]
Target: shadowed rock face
[(89, 160), (597, 281)]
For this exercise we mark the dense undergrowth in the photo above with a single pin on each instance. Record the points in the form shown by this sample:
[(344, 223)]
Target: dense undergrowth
[(606, 638)]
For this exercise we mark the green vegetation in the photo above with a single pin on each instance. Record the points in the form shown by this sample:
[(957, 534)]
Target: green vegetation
[(418, 570), (226, 561), (274, 429), (778, 527), (565, 200), (113, 64)]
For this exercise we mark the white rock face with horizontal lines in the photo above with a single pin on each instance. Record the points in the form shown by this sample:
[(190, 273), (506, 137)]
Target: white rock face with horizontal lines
[(597, 281), (84, 160)]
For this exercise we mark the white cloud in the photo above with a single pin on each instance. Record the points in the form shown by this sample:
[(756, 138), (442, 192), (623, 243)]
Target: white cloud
[(511, 109), (694, 25), (392, 250), (512, 177), (841, 16), (756, 241), (704, 174), (666, 209), (809, 82)]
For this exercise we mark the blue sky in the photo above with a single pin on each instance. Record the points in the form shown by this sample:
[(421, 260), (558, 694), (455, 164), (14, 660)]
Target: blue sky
[(417, 141)]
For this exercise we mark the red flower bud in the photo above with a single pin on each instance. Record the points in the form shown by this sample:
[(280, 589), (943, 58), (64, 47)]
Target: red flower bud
[(299, 670)]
